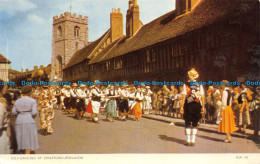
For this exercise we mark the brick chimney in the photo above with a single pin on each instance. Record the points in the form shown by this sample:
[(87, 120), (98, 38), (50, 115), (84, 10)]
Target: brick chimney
[(132, 18), (116, 24), (22, 70)]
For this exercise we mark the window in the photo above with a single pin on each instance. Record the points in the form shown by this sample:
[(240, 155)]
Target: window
[(153, 56), (189, 5), (59, 31), (76, 31), (118, 64), (148, 56), (108, 65)]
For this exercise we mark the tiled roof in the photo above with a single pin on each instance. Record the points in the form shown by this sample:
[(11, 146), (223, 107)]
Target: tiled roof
[(84, 53), (4, 59)]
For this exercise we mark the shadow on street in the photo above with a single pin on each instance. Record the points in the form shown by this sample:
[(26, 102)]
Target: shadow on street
[(166, 138), (210, 138)]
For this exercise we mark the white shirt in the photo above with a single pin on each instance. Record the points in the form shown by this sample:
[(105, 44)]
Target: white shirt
[(81, 93), (66, 93), (73, 92), (124, 93), (224, 98), (97, 92)]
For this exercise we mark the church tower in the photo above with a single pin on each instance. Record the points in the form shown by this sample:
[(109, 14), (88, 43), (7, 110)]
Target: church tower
[(69, 34)]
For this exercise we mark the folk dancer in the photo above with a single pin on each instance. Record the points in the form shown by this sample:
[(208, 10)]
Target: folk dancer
[(81, 95), (62, 90), (36, 93), (117, 90), (123, 103), (46, 111), (193, 106), (111, 104), (73, 98), (137, 109), (66, 101), (57, 94), (42, 105), (227, 122), (131, 99), (96, 102)]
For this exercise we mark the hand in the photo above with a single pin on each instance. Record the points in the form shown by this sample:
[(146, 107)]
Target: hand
[(202, 110), (181, 111)]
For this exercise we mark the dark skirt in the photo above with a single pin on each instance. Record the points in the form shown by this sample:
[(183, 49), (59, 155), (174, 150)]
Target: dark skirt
[(58, 99), (67, 102), (73, 102), (192, 113), (81, 105), (123, 106)]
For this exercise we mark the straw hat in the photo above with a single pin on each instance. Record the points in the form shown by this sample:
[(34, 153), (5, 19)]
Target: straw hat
[(193, 74)]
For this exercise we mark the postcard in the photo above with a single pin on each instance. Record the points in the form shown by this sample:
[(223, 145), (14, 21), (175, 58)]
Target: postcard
[(129, 81)]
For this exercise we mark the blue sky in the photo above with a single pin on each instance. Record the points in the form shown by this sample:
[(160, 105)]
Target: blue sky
[(26, 25)]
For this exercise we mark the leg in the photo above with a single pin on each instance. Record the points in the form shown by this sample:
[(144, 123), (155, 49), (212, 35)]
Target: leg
[(188, 135), (188, 131), (193, 135), (27, 151), (228, 140), (194, 131)]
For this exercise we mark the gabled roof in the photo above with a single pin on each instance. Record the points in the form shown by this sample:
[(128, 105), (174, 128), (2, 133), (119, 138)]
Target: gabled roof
[(4, 59), (164, 28), (169, 26), (86, 52), (105, 52)]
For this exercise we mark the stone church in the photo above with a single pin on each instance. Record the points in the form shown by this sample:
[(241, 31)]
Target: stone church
[(69, 34)]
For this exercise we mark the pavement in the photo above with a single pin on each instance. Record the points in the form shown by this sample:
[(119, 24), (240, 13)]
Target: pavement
[(202, 126), (151, 134)]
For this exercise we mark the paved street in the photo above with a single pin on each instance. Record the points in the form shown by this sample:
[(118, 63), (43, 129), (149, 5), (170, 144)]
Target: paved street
[(73, 136)]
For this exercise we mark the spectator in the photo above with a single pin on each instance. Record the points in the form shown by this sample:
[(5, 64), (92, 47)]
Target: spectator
[(26, 131), (4, 136)]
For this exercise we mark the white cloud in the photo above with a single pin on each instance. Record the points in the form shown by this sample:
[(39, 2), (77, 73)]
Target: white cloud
[(36, 19), (12, 7)]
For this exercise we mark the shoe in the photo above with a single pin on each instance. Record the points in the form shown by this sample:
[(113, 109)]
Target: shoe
[(188, 144), (192, 144), (227, 141)]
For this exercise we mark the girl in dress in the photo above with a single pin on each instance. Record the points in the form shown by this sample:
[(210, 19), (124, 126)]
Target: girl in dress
[(227, 124)]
